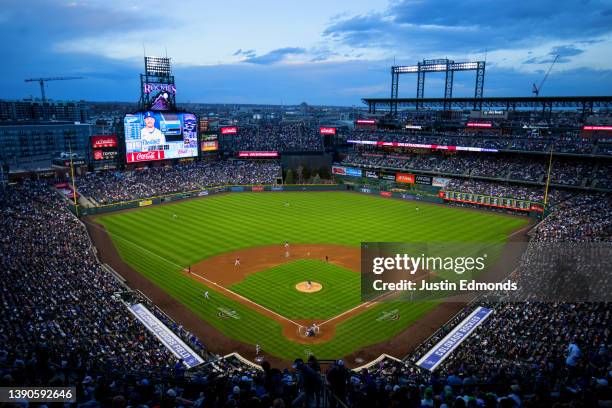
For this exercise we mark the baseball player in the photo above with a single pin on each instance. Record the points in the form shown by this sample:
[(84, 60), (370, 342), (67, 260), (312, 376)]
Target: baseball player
[(287, 245), (150, 135), (237, 262), (309, 284), (257, 349), (206, 296)]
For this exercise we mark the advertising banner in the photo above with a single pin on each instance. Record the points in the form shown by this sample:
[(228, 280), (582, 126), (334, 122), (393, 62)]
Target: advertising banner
[(230, 130), (237, 188), (99, 154), (365, 121), (366, 190), (351, 171), (327, 130), (145, 156), (386, 194), (422, 146), (203, 193), (258, 154), (98, 142), (434, 357), (440, 182), (166, 336), (209, 145), (371, 174), (419, 179), (339, 170), (257, 188), (277, 188), (606, 128), (145, 203), (404, 178)]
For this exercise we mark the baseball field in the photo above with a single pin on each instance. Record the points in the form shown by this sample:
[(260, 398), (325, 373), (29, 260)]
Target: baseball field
[(276, 292)]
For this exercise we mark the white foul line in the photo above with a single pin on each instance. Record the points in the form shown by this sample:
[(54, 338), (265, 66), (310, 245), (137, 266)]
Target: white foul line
[(243, 298), (192, 273)]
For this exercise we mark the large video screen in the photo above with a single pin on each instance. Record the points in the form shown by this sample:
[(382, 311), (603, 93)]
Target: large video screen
[(160, 136)]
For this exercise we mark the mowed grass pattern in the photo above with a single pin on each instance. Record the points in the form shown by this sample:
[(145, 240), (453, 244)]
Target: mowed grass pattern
[(159, 245), (275, 289)]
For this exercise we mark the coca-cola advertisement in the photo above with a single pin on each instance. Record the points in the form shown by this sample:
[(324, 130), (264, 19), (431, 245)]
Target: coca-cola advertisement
[(145, 156)]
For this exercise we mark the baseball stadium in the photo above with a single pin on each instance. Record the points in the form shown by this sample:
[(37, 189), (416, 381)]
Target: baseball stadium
[(446, 252)]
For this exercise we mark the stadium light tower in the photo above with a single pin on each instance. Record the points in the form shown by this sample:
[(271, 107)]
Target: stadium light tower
[(437, 65)]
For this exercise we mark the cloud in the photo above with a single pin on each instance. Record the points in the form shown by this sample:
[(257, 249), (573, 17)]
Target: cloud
[(562, 51), (245, 53), (274, 56), (424, 27)]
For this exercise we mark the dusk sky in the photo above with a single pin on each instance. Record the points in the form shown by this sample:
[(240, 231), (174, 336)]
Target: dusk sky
[(321, 52)]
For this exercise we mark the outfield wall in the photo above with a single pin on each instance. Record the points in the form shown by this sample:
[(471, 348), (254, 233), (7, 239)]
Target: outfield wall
[(145, 202), (411, 195)]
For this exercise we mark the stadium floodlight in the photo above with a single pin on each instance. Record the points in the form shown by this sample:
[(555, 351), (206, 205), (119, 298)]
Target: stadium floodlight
[(158, 66), (437, 65)]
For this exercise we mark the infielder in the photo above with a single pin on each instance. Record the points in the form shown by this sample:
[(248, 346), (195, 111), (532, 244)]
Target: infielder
[(237, 262)]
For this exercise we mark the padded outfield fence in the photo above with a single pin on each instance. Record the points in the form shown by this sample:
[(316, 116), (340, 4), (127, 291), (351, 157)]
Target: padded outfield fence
[(413, 195)]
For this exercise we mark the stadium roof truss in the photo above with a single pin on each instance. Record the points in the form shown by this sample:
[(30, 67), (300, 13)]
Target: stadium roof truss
[(545, 103)]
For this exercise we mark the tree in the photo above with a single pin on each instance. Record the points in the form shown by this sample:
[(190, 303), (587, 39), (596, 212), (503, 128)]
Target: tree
[(306, 173), (324, 173), (300, 173), (289, 177)]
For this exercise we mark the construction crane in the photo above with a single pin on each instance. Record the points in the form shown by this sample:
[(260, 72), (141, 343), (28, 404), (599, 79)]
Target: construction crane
[(42, 81), (536, 89)]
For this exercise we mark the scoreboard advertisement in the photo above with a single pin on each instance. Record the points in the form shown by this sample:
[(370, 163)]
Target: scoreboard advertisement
[(104, 149), (160, 135), (209, 143)]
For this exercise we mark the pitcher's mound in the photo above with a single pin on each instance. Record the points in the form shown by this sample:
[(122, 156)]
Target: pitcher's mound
[(304, 287)]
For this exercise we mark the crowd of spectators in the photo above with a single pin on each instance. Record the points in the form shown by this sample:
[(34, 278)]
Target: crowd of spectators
[(57, 301), (111, 187), (280, 138), (564, 171), (527, 140), (73, 329)]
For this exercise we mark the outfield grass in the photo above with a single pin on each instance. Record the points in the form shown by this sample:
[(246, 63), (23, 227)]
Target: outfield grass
[(275, 289), (159, 245)]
